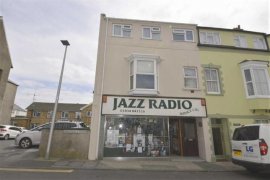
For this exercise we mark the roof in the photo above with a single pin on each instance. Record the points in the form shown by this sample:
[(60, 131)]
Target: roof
[(87, 105), (18, 108), (41, 106)]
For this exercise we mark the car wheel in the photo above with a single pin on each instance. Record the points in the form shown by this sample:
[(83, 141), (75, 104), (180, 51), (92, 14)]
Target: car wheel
[(6, 137), (25, 143)]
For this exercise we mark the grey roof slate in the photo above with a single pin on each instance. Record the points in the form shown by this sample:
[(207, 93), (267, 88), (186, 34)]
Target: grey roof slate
[(41, 106)]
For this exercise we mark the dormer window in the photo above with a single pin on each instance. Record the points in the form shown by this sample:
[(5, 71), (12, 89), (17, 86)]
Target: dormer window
[(259, 43), (210, 38)]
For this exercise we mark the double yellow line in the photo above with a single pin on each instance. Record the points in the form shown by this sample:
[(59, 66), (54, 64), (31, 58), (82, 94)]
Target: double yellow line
[(38, 170)]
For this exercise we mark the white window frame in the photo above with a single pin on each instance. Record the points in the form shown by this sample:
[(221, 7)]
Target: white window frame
[(89, 113), (134, 59), (123, 28), (36, 114), (49, 114), (262, 121), (259, 42), (191, 77), (153, 29), (184, 32), (251, 66), (211, 80), (240, 41), (77, 115), (216, 41), (64, 114)]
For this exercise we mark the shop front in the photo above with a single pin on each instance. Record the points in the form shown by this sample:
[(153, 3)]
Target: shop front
[(151, 127)]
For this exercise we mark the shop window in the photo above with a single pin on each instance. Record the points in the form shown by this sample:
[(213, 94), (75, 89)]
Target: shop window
[(136, 137), (143, 74)]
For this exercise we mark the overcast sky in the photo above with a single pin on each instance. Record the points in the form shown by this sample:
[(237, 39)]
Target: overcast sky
[(34, 29)]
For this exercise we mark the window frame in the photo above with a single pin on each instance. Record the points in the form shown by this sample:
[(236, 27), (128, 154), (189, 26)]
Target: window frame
[(78, 115), (241, 40), (251, 66), (218, 81), (133, 72), (189, 77), (66, 114), (208, 34), (151, 32), (36, 114), (123, 28), (261, 40), (174, 31)]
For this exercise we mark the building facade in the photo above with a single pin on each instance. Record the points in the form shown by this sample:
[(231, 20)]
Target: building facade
[(148, 100), (235, 76), (39, 113), (6, 97)]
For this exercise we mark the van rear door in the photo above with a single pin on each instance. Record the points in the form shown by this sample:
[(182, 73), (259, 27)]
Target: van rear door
[(245, 144)]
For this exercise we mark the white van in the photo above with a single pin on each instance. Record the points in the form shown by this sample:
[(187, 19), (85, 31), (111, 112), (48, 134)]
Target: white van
[(250, 147)]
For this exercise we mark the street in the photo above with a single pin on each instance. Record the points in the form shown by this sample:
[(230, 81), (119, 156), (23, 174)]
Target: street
[(130, 175), (23, 164)]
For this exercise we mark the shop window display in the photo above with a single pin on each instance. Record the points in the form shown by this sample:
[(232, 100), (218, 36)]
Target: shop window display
[(136, 137)]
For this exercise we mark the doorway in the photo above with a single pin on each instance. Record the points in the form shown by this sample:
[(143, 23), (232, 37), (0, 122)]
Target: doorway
[(183, 137), (218, 138)]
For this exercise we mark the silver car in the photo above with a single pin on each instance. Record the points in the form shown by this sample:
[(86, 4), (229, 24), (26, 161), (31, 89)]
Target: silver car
[(32, 137)]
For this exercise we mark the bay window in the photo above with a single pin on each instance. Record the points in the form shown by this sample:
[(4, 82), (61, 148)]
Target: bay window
[(143, 74), (256, 79)]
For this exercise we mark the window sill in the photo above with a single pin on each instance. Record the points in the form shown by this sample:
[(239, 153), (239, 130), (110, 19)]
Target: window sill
[(143, 92)]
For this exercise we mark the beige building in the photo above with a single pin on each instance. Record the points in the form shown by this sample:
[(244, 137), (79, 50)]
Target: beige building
[(6, 96), (147, 97)]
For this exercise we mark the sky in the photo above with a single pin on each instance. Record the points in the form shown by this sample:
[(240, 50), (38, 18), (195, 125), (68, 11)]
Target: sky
[(34, 29)]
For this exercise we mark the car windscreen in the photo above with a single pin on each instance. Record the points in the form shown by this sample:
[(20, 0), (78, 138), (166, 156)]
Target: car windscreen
[(248, 133)]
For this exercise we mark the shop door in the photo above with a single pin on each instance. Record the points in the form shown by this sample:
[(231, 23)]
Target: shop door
[(190, 139), (183, 137)]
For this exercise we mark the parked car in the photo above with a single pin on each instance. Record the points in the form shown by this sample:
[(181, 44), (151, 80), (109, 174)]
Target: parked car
[(250, 147), (32, 137), (8, 131)]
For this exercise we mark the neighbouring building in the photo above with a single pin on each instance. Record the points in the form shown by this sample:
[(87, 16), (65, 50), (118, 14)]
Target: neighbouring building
[(148, 100), (18, 117), (236, 84), (86, 113), (8, 102), (7, 88), (41, 112)]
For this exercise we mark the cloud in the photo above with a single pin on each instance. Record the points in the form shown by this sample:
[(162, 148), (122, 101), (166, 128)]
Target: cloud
[(34, 30)]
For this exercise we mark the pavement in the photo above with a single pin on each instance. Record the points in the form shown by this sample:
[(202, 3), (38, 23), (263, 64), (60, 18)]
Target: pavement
[(138, 164)]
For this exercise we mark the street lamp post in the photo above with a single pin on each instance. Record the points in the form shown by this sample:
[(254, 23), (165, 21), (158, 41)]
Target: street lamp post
[(47, 155)]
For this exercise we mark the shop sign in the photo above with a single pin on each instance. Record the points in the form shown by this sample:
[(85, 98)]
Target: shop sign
[(153, 106)]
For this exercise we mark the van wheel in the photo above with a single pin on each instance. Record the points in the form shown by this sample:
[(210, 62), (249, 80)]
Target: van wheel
[(25, 143), (6, 137)]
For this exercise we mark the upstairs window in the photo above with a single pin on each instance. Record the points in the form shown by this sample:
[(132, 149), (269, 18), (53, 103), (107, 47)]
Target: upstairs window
[(190, 78), (259, 43), (143, 74), (121, 30), (89, 113), (77, 115), (64, 114), (210, 38), (151, 33), (50, 114), (256, 78), (36, 114), (212, 81), (182, 35), (240, 41)]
